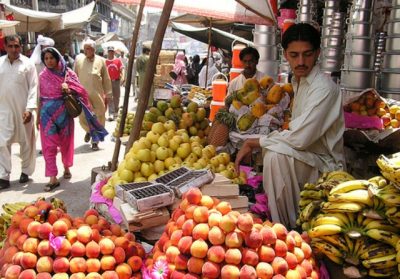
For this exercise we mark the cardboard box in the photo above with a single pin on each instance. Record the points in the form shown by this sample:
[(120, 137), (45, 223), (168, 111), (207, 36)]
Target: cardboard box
[(136, 221), (236, 202)]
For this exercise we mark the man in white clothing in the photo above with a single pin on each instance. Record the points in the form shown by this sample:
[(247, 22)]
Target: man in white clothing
[(42, 43), (249, 56), (314, 141), (18, 97)]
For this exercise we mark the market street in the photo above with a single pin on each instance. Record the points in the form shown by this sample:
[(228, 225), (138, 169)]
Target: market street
[(76, 191)]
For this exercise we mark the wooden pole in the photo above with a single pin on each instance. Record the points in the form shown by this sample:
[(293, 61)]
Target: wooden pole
[(208, 51), (148, 78), (128, 82)]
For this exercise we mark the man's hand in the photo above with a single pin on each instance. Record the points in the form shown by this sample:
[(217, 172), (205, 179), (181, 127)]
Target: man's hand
[(26, 117), (245, 151)]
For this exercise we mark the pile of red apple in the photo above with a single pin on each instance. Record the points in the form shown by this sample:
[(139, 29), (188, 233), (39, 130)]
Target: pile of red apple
[(206, 239), (59, 246)]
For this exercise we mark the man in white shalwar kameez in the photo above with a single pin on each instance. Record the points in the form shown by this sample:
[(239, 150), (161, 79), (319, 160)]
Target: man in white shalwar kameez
[(18, 99), (314, 141)]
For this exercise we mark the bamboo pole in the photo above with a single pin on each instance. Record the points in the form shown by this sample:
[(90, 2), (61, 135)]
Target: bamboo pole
[(128, 82), (208, 51), (148, 78)]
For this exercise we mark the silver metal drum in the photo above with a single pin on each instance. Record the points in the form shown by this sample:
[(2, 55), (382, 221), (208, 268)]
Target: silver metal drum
[(358, 60), (393, 27), (392, 43), (359, 44), (357, 78), (391, 60)]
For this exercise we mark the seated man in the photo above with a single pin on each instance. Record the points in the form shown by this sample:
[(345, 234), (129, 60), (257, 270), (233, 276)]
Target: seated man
[(249, 57), (314, 141)]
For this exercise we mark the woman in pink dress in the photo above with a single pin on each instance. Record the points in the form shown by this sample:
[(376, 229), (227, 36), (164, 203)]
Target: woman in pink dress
[(180, 69), (56, 126)]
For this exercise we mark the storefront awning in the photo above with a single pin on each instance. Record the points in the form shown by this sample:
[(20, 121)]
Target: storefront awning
[(219, 38), (35, 21), (75, 19)]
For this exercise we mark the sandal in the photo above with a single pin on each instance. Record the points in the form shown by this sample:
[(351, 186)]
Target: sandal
[(51, 186), (67, 175)]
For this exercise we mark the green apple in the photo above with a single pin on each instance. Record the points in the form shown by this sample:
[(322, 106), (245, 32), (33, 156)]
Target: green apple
[(169, 162), (178, 139), (136, 146), (158, 128), (153, 137), (214, 162), (144, 155), (173, 144), (126, 175), (147, 169), (154, 147), (197, 150), (159, 166), (162, 153), (163, 141), (146, 141), (170, 125), (152, 177), (140, 179), (132, 164), (184, 150)]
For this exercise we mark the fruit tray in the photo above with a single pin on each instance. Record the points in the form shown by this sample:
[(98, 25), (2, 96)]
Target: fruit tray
[(189, 180), (120, 190), (168, 177), (150, 197)]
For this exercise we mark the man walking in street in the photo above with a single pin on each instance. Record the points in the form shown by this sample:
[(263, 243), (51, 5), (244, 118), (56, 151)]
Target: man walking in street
[(141, 65), (93, 75), (116, 71), (18, 99)]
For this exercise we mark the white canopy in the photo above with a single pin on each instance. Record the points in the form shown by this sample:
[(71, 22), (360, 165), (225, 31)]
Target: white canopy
[(76, 18), (7, 23), (35, 21)]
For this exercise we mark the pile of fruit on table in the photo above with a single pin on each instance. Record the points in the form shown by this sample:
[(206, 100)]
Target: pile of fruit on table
[(356, 223), (206, 239), (43, 242), (128, 124)]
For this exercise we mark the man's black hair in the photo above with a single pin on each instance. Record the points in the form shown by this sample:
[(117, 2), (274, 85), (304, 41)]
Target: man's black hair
[(249, 50), (11, 38), (302, 32), (146, 50), (52, 52)]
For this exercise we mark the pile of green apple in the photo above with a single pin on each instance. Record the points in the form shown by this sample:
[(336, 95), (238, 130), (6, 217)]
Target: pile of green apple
[(163, 149), (191, 118), (128, 124)]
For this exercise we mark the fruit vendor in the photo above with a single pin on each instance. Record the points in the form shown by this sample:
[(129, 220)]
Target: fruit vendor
[(314, 141), (249, 57)]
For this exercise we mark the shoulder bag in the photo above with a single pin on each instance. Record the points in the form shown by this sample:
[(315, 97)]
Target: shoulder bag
[(71, 102)]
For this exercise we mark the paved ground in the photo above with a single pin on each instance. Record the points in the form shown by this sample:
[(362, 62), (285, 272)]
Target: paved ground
[(76, 191)]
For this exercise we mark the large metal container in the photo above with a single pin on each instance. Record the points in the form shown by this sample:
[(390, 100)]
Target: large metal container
[(306, 2), (393, 27), (284, 68), (357, 78), (264, 38), (267, 52), (331, 64), (268, 67), (304, 17), (390, 81), (360, 15), (305, 9), (265, 28), (358, 60), (392, 43), (327, 31), (363, 4), (360, 29), (331, 41), (329, 12), (332, 52), (391, 61), (395, 13), (359, 44), (332, 4)]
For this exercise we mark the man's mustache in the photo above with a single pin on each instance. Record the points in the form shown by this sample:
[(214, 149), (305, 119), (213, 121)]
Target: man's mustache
[(301, 67)]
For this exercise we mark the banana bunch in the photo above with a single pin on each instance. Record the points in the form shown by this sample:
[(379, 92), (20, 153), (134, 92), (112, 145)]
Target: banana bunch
[(340, 176), (390, 167), (5, 218)]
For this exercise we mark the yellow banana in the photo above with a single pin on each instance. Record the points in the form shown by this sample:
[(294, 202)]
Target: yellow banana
[(336, 240), (304, 202), (349, 243), (309, 186), (381, 262), (342, 207), (322, 246), (383, 272), (309, 210), (387, 237), (328, 219), (339, 176), (311, 194), (360, 196), (327, 229), (381, 225), (378, 180), (347, 186), (376, 251), (390, 199)]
